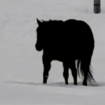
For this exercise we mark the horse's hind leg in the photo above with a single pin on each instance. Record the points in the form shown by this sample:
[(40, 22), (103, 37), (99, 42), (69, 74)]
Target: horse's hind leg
[(74, 72), (66, 72), (47, 66), (85, 67)]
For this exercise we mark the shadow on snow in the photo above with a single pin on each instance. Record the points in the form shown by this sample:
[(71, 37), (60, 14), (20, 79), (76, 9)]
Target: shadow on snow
[(55, 84)]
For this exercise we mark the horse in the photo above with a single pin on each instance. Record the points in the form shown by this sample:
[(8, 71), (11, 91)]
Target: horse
[(66, 41)]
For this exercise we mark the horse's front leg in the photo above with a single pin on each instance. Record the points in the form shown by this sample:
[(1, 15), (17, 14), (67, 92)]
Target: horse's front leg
[(47, 66)]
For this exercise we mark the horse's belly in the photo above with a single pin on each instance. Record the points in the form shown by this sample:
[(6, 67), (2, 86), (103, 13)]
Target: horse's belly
[(61, 56)]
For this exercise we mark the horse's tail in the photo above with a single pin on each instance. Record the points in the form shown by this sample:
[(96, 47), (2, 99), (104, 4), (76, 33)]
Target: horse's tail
[(81, 72)]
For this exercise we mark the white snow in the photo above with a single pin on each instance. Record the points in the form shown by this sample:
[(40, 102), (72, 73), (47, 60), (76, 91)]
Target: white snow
[(21, 65)]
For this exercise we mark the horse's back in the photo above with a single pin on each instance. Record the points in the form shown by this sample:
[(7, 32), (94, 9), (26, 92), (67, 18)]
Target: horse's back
[(69, 38)]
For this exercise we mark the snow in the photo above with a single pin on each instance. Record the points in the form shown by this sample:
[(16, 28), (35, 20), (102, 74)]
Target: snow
[(21, 65)]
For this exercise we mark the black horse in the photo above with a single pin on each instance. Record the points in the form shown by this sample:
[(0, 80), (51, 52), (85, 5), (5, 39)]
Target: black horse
[(66, 41)]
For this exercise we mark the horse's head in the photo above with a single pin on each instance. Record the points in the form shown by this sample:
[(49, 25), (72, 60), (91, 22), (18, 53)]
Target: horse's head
[(39, 31)]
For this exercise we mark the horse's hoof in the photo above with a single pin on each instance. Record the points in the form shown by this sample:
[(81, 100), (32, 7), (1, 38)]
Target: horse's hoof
[(44, 82), (85, 84), (66, 83), (75, 83)]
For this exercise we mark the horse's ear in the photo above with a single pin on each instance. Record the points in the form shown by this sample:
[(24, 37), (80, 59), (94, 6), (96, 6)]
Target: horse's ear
[(38, 21)]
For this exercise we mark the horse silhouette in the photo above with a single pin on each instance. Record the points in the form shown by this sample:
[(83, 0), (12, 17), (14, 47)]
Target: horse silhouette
[(66, 41)]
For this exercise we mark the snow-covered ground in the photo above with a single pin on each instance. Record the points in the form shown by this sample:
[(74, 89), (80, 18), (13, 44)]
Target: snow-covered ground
[(21, 65)]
